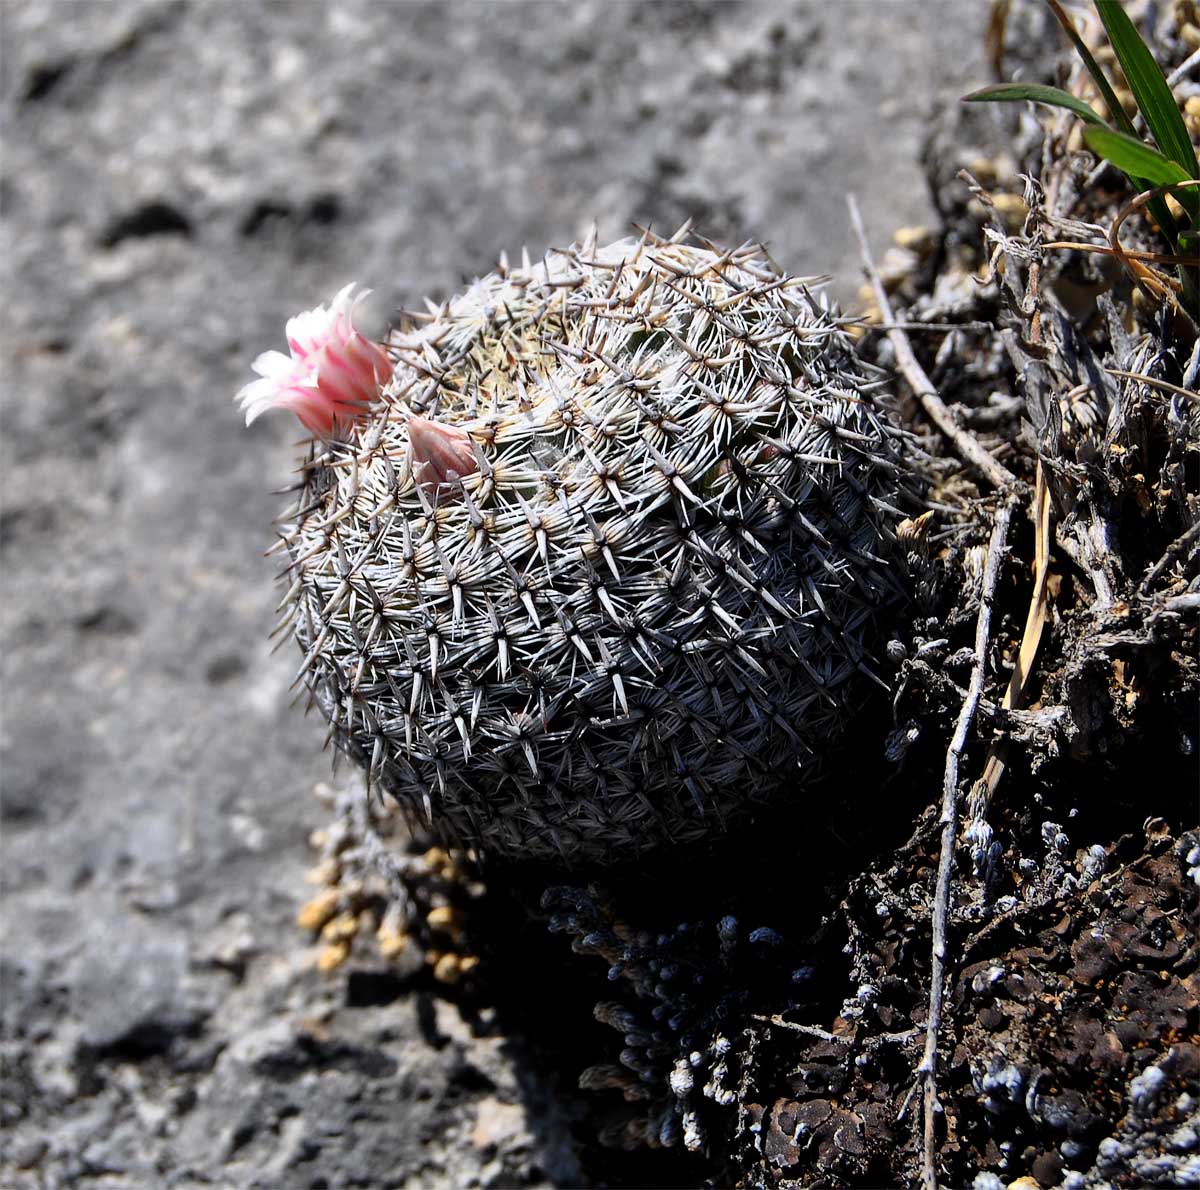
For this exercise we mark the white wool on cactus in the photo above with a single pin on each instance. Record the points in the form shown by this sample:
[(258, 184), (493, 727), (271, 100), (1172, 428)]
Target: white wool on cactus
[(600, 568)]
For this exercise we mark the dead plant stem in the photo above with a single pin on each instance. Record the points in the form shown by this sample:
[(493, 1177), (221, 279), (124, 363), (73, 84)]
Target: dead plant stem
[(967, 445), (927, 1071)]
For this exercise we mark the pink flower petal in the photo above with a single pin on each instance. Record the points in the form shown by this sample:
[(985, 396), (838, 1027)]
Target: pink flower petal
[(332, 374), (441, 454)]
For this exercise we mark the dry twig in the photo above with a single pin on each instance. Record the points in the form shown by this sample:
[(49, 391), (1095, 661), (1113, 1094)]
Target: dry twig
[(1036, 617), (927, 1071), (1165, 385), (1105, 250), (1176, 549), (1035, 622), (1151, 282), (965, 443)]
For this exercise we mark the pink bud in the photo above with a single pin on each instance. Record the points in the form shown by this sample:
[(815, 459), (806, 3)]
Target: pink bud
[(332, 374), (441, 454)]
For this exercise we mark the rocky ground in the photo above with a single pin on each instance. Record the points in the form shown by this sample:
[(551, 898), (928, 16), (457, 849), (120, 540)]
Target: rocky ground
[(178, 179)]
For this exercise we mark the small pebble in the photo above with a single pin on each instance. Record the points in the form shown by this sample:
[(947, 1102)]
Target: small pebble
[(1185, 1139), (681, 1079), (1145, 1088), (27, 1152)]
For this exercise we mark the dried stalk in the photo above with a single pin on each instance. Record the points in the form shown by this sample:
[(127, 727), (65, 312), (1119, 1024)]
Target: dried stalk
[(1035, 622), (967, 445), (1153, 381), (1035, 619), (1147, 279), (927, 1071), (1104, 250), (1175, 550)]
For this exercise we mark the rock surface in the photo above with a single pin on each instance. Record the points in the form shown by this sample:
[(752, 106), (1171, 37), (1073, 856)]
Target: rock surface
[(179, 179)]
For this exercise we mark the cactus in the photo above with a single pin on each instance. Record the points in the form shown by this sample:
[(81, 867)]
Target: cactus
[(600, 568)]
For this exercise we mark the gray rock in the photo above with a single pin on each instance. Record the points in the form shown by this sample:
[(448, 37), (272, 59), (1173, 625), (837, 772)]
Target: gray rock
[(179, 179)]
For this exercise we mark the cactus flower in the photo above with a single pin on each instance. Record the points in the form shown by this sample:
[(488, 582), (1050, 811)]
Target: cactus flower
[(332, 374), (441, 454)]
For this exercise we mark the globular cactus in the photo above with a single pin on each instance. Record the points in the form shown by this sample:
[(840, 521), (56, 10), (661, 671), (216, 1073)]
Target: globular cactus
[(601, 566)]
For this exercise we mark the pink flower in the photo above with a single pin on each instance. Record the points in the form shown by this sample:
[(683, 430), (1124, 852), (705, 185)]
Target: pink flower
[(331, 376), (441, 454)]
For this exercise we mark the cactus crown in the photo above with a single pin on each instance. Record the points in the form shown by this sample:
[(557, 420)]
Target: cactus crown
[(642, 603)]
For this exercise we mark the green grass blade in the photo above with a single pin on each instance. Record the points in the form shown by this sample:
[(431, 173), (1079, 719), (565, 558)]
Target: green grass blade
[(1136, 158), (1034, 93), (1146, 168), (1122, 121), (1149, 87)]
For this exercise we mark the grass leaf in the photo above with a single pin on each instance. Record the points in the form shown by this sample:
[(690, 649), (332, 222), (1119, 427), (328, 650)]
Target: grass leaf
[(1136, 158), (1122, 121), (1149, 87), (1146, 167), (1035, 93)]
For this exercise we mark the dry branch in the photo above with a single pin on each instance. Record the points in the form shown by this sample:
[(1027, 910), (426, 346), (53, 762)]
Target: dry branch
[(927, 1071), (965, 443)]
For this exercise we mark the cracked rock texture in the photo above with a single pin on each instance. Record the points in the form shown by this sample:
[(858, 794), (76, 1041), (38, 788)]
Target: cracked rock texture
[(178, 179)]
